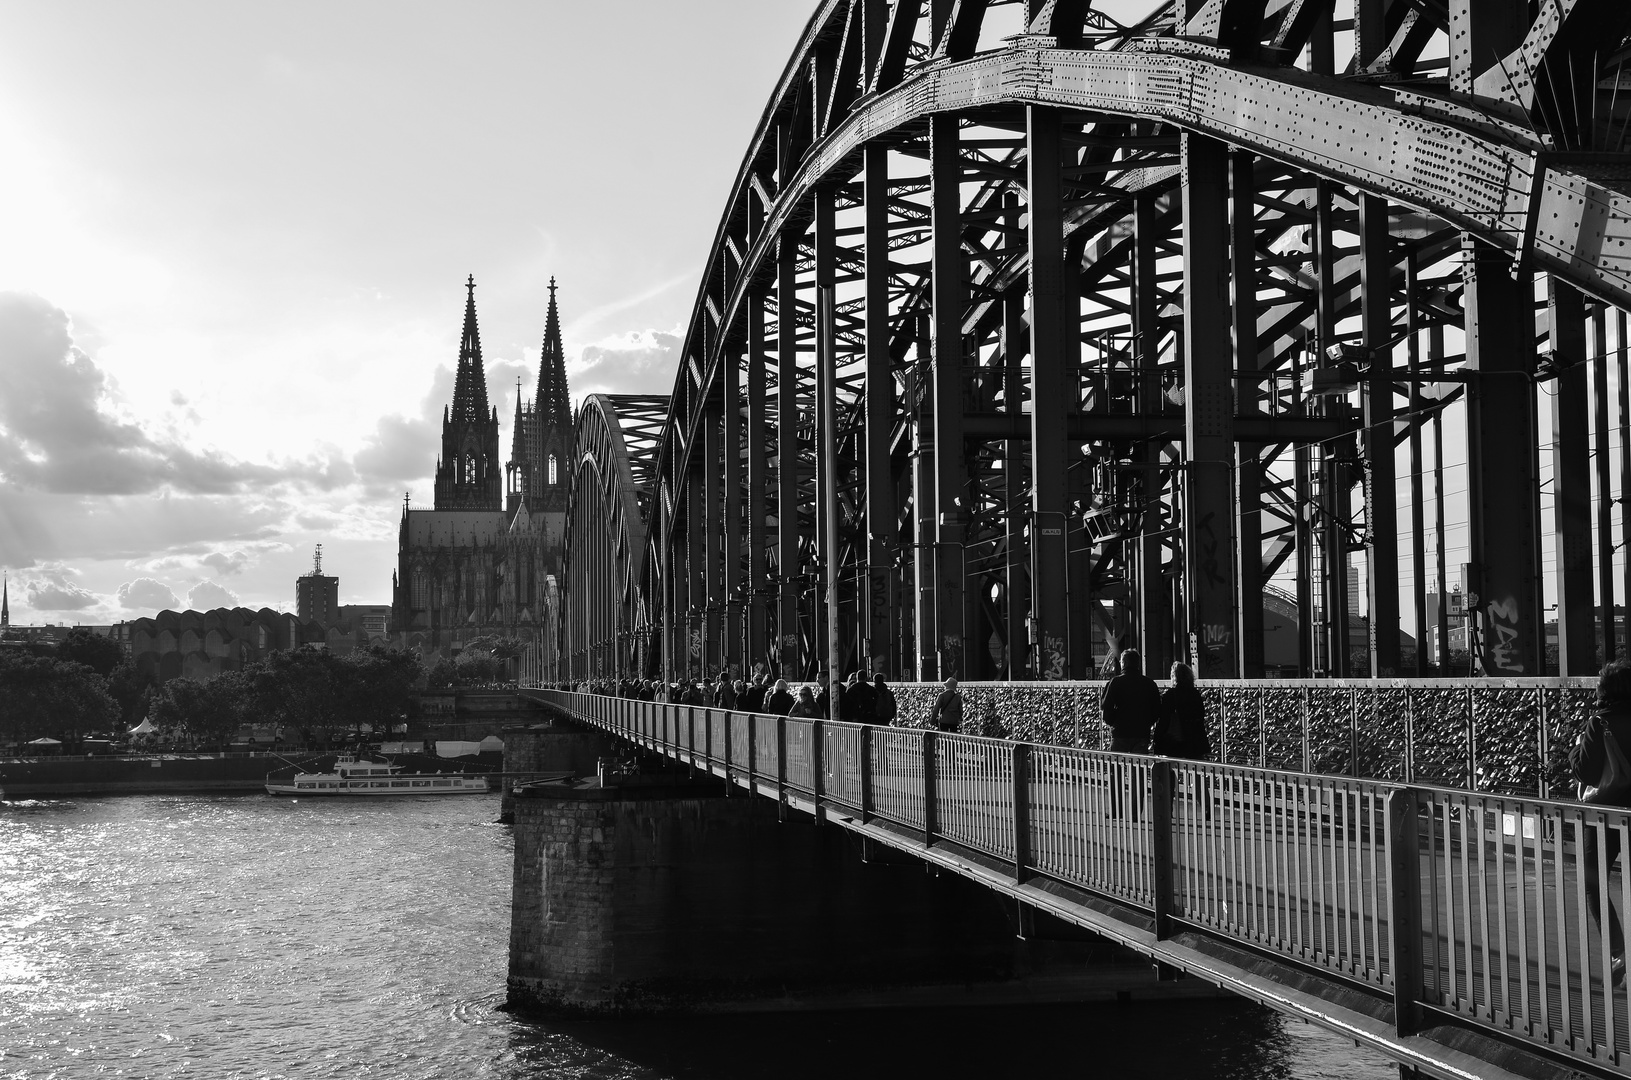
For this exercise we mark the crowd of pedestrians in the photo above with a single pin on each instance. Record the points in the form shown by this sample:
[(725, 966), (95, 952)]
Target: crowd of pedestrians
[(1141, 717), (864, 699)]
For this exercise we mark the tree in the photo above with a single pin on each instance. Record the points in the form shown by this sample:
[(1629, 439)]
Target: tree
[(442, 675), (131, 689), (45, 697), (375, 686), (207, 711), (82, 646)]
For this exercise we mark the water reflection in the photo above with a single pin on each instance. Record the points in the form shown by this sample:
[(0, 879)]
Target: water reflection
[(168, 936)]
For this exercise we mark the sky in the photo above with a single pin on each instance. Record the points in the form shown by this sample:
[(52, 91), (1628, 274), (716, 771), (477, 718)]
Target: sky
[(233, 245)]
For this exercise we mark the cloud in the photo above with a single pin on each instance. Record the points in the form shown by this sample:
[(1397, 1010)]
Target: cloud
[(52, 591), (403, 449), (639, 362), (146, 593), (60, 431), (226, 563), (207, 595)]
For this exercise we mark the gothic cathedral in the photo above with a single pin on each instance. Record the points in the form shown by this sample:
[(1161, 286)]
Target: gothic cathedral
[(483, 564)]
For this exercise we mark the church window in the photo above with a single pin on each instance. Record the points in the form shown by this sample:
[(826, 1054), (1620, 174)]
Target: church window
[(470, 468), (552, 479), (421, 590)]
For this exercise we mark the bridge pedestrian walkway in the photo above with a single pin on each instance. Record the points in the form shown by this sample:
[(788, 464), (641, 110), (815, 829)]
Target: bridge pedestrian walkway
[(1447, 929)]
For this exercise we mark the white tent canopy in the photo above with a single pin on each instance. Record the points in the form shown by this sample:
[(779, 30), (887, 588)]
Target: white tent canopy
[(45, 742), (144, 728)]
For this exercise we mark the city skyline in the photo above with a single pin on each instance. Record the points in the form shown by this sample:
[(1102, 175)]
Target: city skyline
[(231, 298)]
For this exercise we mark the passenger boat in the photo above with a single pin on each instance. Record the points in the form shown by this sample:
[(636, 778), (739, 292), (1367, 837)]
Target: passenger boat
[(354, 776)]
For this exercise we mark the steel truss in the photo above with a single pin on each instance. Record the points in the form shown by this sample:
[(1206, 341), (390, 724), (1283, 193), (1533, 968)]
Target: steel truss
[(605, 575), (1024, 332)]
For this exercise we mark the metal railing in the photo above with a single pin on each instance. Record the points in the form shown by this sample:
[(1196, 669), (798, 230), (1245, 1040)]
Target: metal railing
[(1455, 902), (1501, 736)]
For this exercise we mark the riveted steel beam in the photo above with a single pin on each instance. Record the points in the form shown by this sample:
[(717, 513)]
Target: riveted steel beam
[(1571, 482)]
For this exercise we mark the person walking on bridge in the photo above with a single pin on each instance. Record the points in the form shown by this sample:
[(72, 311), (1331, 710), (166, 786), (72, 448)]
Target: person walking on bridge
[(1130, 706), (859, 700), (807, 706), (780, 701), (1181, 730), (1600, 764), (948, 708)]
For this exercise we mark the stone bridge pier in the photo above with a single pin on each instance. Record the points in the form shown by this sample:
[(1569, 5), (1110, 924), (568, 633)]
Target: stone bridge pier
[(655, 893)]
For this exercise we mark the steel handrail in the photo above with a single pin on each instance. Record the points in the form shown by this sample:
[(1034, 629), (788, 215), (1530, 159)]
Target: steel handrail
[(1449, 901)]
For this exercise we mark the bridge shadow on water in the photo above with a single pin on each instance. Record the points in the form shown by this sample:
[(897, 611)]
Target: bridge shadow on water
[(1218, 1039)]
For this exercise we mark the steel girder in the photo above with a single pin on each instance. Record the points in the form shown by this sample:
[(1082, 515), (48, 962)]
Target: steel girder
[(1075, 285), (606, 617)]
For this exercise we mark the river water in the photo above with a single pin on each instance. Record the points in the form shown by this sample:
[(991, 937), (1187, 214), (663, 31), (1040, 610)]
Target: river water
[(248, 936)]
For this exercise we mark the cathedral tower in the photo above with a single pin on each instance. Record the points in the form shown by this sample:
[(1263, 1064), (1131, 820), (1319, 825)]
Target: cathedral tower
[(469, 476), (552, 419), (542, 448)]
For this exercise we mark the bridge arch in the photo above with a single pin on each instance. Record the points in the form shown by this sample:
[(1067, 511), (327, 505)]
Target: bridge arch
[(1026, 335), (605, 619)]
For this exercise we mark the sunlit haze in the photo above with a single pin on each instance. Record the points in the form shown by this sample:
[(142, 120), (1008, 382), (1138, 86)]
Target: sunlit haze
[(235, 242)]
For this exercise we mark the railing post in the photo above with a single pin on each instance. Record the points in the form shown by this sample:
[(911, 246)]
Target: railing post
[(753, 753), (728, 785), (1161, 846), (816, 737), (781, 767), (1022, 809), (866, 772), (929, 822), (1404, 907)]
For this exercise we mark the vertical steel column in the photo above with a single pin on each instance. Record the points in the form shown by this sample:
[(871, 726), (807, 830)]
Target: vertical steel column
[(1052, 391), (923, 545), (696, 558), (1502, 520), (1598, 352), (878, 407), (1435, 354), (1209, 555), (827, 486), (1247, 457), (1480, 32), (730, 361), (1571, 480), (787, 454), (1418, 527), (1381, 483), (827, 615), (1015, 344), (758, 486), (1333, 485), (1152, 604), (1623, 369), (712, 535), (665, 544), (949, 301)]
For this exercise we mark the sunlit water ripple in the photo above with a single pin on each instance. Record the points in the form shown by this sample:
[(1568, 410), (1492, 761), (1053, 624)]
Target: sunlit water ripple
[(193, 936)]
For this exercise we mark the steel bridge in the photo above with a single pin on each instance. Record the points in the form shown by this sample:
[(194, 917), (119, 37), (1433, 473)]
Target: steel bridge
[(1027, 333), (1445, 929)]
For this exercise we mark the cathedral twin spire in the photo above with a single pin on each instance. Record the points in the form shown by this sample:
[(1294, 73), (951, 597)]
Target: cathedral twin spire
[(468, 476)]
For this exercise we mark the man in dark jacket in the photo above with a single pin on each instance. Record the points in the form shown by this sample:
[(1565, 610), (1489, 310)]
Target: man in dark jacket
[(948, 708), (1131, 705), (859, 699), (884, 706), (753, 698), (780, 701), (1588, 759), (724, 694)]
